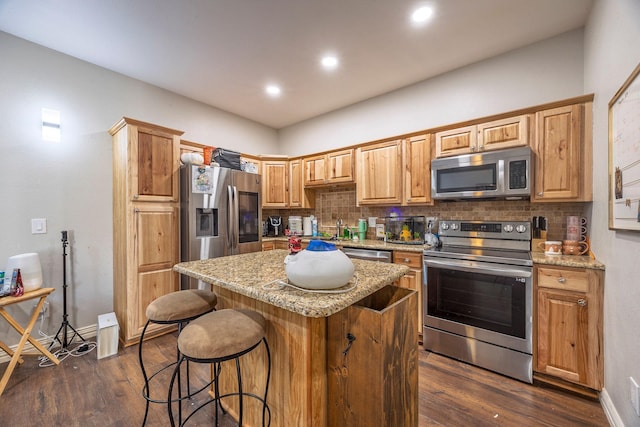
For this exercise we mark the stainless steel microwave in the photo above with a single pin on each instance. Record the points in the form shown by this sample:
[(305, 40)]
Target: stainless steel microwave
[(500, 174)]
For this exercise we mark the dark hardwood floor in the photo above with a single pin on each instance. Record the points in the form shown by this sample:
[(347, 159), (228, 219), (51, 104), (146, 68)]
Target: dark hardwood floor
[(83, 391)]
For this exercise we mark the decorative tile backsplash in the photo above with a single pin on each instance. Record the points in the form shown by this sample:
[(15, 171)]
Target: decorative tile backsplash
[(340, 203)]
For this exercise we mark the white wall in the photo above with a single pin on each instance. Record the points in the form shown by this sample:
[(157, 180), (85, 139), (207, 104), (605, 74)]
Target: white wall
[(612, 38), (547, 71), (69, 183)]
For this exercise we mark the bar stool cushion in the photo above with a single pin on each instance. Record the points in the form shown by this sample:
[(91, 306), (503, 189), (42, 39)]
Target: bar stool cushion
[(181, 305), (221, 334)]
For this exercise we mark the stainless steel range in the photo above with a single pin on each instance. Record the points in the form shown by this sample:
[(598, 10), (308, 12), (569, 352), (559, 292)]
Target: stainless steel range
[(478, 295)]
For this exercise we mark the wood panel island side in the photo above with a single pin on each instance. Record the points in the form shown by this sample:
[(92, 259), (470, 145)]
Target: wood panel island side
[(317, 379)]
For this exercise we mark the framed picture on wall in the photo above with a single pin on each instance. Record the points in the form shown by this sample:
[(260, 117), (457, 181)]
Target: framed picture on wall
[(624, 155)]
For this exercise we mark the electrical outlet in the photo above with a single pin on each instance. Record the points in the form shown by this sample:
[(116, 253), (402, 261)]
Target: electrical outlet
[(635, 395)]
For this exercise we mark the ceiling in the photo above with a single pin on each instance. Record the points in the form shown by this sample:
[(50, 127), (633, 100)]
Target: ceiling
[(224, 52)]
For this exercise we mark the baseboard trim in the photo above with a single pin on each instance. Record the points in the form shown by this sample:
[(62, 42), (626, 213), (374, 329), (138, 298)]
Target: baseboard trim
[(86, 332), (610, 410)]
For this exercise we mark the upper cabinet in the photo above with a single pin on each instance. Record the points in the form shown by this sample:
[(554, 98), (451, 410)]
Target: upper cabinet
[(332, 168), (395, 172), (379, 178), (152, 156), (299, 197), (494, 135), (275, 183), (417, 170), (563, 154)]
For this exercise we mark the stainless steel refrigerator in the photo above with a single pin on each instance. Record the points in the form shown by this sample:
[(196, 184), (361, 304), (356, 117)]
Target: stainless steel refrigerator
[(220, 214)]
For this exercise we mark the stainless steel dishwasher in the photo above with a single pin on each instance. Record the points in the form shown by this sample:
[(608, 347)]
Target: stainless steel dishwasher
[(369, 254)]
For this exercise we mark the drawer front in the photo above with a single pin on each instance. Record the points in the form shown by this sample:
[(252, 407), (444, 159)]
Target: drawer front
[(410, 259), (569, 280)]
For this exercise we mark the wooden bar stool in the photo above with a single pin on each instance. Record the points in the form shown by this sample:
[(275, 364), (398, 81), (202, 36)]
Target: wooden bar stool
[(178, 308), (217, 337)]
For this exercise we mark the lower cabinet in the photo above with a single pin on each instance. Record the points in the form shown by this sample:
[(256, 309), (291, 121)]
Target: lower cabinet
[(413, 279), (278, 244), (145, 254), (372, 361), (569, 325)]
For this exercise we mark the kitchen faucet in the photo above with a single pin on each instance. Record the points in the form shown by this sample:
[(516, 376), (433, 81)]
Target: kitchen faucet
[(338, 225)]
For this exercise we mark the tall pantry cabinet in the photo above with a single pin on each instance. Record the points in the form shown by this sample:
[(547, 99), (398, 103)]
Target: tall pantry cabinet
[(146, 161)]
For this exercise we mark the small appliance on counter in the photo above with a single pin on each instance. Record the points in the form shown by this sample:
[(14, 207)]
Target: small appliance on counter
[(275, 226), (408, 230), (295, 225)]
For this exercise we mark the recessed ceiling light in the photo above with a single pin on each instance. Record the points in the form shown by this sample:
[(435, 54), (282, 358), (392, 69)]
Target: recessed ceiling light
[(273, 90), (421, 14), (329, 62)]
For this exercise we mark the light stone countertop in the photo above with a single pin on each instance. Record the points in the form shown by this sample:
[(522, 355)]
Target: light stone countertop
[(567, 261), (537, 257), (254, 274), (364, 244)]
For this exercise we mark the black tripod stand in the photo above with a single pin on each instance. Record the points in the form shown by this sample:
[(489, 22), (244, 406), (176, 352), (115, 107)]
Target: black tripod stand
[(65, 326)]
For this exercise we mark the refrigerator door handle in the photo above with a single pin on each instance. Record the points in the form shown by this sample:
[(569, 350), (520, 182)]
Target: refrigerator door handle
[(236, 223), (230, 219)]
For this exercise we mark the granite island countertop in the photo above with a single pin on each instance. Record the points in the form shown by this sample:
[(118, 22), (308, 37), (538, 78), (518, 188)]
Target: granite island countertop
[(255, 275)]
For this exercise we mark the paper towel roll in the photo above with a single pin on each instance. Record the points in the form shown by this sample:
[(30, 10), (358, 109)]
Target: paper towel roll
[(306, 226)]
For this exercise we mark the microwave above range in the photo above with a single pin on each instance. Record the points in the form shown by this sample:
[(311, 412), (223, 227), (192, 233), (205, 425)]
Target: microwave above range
[(500, 174)]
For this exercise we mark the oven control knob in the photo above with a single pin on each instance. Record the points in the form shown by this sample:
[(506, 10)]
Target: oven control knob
[(444, 226), (521, 228), (508, 228), (454, 226)]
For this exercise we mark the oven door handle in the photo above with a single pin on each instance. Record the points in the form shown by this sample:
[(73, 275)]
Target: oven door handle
[(478, 267)]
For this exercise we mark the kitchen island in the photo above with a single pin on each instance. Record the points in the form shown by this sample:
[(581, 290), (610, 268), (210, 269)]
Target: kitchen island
[(303, 330)]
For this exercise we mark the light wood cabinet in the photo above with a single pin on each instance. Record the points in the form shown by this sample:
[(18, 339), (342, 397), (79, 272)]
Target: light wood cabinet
[(146, 230), (379, 177), (413, 279), (417, 170), (563, 150), (275, 183), (340, 166), (299, 197), (569, 324), (395, 172), (331, 168), (494, 135)]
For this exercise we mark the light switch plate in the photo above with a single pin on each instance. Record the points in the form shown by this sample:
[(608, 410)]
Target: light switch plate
[(38, 225)]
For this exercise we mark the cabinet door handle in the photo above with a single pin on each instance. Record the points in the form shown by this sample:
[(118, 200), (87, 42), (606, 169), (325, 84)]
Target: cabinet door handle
[(406, 260), (540, 194), (561, 280), (135, 196), (582, 302)]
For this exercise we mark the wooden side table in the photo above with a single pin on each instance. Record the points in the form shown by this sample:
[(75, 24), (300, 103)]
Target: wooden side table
[(16, 358)]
